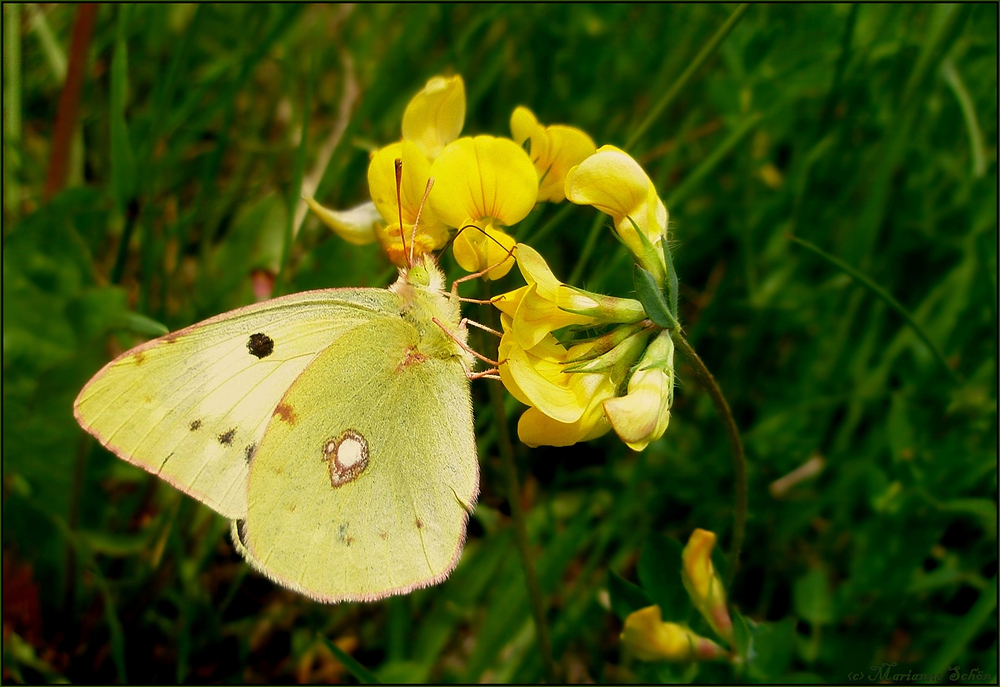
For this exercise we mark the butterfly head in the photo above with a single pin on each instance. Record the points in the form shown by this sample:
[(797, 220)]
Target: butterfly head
[(424, 275)]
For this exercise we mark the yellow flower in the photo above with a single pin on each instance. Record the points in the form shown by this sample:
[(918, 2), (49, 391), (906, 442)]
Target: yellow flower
[(535, 376), (615, 184), (703, 584), (565, 407), (642, 415), (648, 638), (489, 183), (356, 225), (431, 232), (535, 428), (435, 116), (546, 304), (554, 150)]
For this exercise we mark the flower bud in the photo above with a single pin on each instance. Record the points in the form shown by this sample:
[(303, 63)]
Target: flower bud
[(642, 415), (704, 585), (648, 638)]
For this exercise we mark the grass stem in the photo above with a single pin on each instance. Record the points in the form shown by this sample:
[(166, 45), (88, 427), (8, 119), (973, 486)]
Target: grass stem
[(506, 447), (735, 445), (885, 296)]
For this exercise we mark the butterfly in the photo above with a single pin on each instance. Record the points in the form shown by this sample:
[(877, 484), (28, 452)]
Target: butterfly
[(333, 427)]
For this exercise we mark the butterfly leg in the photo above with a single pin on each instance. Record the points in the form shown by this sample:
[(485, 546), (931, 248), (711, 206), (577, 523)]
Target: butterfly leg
[(464, 346), (493, 373), (466, 320)]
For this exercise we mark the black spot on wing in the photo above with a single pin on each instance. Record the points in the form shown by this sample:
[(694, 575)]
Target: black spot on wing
[(260, 345), (195, 425), (226, 438), (248, 451)]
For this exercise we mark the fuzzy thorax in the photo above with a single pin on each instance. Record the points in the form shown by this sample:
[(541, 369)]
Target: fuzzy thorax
[(421, 289)]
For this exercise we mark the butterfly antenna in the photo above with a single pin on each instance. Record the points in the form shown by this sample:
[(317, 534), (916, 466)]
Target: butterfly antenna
[(423, 201), (399, 209)]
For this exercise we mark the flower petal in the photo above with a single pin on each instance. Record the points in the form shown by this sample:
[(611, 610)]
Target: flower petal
[(507, 302), (703, 584), (553, 150), (614, 183), (355, 225), (478, 248), (483, 177), (535, 428), (431, 233), (641, 416), (538, 374), (435, 116), (537, 317), (568, 147)]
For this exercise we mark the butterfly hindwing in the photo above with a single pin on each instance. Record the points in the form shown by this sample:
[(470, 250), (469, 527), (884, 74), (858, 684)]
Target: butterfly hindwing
[(366, 475), (192, 406)]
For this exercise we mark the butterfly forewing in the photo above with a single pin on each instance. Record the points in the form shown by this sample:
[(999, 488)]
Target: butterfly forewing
[(192, 406)]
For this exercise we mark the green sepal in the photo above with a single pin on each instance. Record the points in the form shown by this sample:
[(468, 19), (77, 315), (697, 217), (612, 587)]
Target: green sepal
[(605, 342), (672, 285), (650, 258), (608, 309), (654, 302), (621, 357)]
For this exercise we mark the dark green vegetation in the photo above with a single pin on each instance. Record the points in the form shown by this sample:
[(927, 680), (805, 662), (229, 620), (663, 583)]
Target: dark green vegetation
[(868, 131)]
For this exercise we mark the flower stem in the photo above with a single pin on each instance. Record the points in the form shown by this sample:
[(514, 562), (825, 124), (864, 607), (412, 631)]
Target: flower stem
[(506, 448), (735, 445), (521, 534)]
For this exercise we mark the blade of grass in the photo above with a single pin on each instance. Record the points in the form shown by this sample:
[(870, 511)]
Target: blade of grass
[(885, 296), (360, 673), (706, 52), (11, 106), (506, 448), (701, 58), (295, 191), (954, 81), (964, 630), (54, 54)]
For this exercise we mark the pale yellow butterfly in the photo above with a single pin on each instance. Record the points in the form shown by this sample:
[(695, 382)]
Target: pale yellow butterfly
[(334, 427)]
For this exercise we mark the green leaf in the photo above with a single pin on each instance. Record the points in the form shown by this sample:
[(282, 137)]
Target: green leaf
[(653, 301), (625, 596), (660, 576), (812, 598), (772, 644)]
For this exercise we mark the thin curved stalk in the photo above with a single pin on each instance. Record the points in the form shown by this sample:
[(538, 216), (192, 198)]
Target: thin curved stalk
[(735, 445)]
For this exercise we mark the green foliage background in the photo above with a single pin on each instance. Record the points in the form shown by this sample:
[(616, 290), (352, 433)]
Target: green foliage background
[(867, 130)]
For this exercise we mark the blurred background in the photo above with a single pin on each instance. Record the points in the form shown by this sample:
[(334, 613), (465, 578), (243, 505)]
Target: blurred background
[(163, 192)]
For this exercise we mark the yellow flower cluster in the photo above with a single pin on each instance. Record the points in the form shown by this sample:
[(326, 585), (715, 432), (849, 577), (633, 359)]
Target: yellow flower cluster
[(433, 182), (648, 638), (482, 184)]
